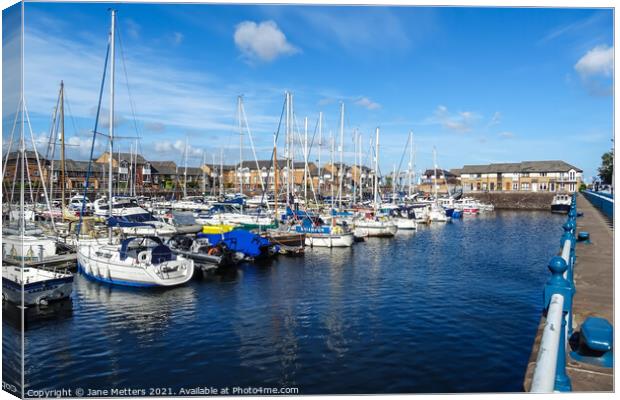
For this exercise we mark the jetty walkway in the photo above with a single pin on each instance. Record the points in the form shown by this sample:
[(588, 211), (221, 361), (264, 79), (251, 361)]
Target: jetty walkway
[(592, 296)]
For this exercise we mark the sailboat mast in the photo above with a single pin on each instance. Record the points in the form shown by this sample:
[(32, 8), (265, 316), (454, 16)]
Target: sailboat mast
[(306, 161), (342, 169), (275, 175), (320, 145), (334, 169), (204, 177), (376, 185), (222, 172), (410, 160), (185, 171), (435, 167), (111, 121), (62, 144), (240, 145), (287, 146)]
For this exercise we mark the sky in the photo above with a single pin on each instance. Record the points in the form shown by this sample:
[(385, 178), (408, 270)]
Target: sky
[(480, 85)]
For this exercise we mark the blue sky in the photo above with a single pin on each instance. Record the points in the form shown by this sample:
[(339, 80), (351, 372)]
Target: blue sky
[(481, 84)]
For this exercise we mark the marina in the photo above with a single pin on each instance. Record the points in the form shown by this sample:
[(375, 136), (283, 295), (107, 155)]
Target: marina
[(321, 243), (363, 313)]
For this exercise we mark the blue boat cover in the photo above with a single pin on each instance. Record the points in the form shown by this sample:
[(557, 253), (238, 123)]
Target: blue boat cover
[(125, 244), (239, 240), (125, 222)]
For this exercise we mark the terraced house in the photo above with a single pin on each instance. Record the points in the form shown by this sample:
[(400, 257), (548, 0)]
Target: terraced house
[(528, 176)]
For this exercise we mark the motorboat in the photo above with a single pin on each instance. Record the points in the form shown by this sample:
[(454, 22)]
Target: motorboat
[(561, 203), (38, 286)]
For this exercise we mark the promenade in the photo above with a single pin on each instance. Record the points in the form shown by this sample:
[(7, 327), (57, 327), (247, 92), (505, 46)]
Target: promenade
[(593, 277)]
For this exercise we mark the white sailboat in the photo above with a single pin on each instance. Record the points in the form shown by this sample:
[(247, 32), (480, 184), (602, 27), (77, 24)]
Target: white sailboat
[(375, 225), (437, 212), (133, 261)]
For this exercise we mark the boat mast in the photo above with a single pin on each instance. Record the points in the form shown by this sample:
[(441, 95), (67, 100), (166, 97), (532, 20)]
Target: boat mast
[(240, 145), (354, 165), (287, 145), (410, 160), (331, 137), (435, 167), (360, 166), (306, 161), (221, 172), (275, 175), (62, 145), (376, 184), (320, 145), (111, 122), (185, 171), (394, 183), (342, 169), (204, 177)]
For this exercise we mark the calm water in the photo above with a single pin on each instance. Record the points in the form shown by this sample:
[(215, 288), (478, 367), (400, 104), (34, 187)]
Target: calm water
[(451, 308)]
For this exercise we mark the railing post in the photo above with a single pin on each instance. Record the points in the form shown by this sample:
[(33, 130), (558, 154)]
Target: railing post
[(557, 284)]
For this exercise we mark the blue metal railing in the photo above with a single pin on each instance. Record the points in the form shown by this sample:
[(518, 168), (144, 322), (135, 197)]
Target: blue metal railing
[(550, 371), (602, 201)]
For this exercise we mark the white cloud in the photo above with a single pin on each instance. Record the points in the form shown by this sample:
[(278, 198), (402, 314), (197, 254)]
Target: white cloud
[(506, 135), (460, 122), (598, 61), (263, 41), (495, 119), (177, 37), (367, 103), (177, 147)]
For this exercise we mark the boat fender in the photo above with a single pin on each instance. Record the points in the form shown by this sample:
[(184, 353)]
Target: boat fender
[(213, 251), (143, 257)]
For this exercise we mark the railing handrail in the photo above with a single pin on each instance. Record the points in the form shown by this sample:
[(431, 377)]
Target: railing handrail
[(550, 369), (543, 380), (604, 196)]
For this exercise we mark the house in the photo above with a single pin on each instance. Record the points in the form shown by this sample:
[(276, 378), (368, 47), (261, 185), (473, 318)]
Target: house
[(163, 174), (529, 176), (75, 174), (125, 165), (446, 181)]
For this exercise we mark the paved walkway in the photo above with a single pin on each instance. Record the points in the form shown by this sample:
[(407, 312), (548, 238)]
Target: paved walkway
[(594, 279)]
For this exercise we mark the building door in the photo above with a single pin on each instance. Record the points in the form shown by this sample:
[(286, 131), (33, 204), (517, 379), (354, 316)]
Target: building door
[(492, 186), (534, 187)]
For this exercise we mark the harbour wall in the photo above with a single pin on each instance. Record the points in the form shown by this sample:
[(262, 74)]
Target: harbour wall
[(515, 200)]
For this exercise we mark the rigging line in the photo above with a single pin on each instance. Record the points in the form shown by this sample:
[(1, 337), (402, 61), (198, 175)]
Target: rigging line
[(275, 169), (92, 146), (402, 157), (70, 112), (131, 102)]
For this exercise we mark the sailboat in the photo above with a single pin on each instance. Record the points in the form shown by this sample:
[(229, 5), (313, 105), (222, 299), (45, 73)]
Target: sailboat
[(437, 212), (134, 261), (373, 224)]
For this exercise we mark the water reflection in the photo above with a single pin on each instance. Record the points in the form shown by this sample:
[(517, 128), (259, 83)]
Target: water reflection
[(416, 313)]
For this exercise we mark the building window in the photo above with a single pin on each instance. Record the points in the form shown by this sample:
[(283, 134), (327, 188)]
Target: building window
[(571, 175), (552, 187), (543, 174), (525, 186)]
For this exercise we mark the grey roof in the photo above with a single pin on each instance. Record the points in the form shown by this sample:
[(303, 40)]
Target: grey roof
[(524, 166), (194, 171), (74, 166), (261, 164), (163, 168), (30, 154), (441, 172)]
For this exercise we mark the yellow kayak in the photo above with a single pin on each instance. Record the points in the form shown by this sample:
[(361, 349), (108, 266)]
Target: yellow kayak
[(213, 229)]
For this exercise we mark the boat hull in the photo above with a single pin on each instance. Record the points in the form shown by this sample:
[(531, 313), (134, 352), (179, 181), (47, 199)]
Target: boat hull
[(560, 208), (329, 240), (38, 292), (128, 274)]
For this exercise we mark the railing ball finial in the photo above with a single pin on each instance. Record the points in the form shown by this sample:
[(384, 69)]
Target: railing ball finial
[(557, 266)]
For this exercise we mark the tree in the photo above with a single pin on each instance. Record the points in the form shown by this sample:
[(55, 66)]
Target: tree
[(606, 169)]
